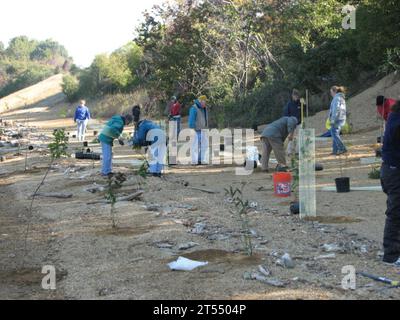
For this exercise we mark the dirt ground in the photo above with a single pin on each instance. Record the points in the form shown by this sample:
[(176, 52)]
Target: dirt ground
[(94, 261)]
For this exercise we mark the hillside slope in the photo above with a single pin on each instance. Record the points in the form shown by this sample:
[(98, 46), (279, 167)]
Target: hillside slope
[(362, 107), (48, 92)]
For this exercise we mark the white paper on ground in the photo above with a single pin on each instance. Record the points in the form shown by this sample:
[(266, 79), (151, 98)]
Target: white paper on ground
[(184, 264)]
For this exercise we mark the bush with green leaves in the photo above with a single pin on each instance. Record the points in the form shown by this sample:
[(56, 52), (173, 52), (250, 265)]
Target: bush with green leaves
[(70, 87)]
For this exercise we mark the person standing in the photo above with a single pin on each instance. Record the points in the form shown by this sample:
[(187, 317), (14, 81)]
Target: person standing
[(82, 117), (337, 118), (111, 131), (294, 109), (390, 180), (273, 139), (198, 121), (175, 114)]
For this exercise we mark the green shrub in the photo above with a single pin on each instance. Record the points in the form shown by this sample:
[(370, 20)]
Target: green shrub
[(70, 87)]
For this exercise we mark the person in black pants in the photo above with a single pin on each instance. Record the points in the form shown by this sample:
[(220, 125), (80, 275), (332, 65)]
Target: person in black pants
[(390, 179)]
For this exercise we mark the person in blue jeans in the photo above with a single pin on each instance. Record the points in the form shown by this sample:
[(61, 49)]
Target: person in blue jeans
[(337, 118), (147, 133), (198, 121), (81, 118), (390, 180), (111, 131)]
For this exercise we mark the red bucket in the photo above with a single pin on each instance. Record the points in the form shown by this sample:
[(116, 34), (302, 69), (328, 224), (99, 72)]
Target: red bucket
[(282, 184)]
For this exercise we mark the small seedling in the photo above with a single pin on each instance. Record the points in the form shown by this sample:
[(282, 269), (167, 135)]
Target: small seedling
[(375, 174), (58, 148), (114, 182), (241, 210)]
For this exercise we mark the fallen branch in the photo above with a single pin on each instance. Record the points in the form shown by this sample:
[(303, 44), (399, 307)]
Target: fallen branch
[(54, 195), (131, 197), (203, 190)]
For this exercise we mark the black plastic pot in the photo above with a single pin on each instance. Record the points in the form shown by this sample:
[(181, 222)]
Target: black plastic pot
[(95, 133), (87, 156), (379, 140), (342, 185), (378, 153), (30, 148), (295, 208), (319, 167), (85, 144)]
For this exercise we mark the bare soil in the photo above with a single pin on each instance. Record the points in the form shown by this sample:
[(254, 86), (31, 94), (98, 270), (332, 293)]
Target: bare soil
[(94, 261)]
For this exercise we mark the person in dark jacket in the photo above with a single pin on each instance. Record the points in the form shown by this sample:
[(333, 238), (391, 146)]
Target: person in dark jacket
[(147, 133), (293, 107), (390, 179)]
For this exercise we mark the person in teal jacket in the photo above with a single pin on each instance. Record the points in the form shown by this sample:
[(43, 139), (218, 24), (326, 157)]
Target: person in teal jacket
[(111, 131)]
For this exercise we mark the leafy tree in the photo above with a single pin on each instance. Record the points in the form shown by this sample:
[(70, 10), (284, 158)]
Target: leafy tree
[(21, 47), (70, 87)]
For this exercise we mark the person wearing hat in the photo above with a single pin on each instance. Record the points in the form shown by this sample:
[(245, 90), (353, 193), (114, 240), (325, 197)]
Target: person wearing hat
[(175, 113), (111, 131), (198, 121)]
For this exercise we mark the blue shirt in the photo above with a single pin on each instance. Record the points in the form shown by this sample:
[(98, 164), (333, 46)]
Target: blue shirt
[(391, 142), (140, 136), (82, 113)]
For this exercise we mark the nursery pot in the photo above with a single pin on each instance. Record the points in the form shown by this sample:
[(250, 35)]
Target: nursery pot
[(319, 167), (85, 144), (378, 153), (379, 140), (295, 208), (87, 156), (342, 185), (95, 133)]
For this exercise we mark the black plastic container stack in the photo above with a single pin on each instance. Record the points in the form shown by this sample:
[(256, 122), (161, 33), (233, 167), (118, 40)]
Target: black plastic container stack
[(342, 185), (87, 156)]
